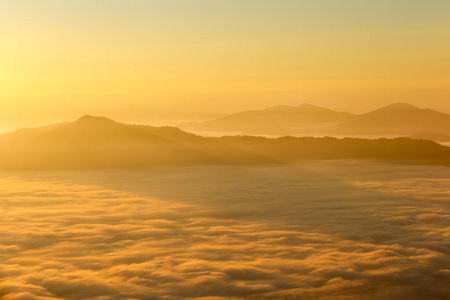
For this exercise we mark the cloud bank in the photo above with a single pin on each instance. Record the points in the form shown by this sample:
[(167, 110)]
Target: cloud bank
[(322, 231)]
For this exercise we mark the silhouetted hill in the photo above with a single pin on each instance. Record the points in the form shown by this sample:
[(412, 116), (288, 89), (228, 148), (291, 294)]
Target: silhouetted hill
[(98, 142), (90, 129), (295, 149), (281, 119), (435, 137), (27, 133), (399, 118)]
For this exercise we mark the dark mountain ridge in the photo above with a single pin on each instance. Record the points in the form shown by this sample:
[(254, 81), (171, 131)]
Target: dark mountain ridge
[(435, 137), (98, 142)]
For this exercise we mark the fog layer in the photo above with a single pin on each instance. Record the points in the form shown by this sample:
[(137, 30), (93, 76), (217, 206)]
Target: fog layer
[(316, 231)]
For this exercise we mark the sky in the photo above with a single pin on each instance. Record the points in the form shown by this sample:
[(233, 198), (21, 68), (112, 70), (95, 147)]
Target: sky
[(228, 55)]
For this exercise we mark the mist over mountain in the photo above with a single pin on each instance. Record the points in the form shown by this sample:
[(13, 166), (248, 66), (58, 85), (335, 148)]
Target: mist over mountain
[(99, 142), (398, 118), (435, 137), (394, 120), (153, 115), (278, 120)]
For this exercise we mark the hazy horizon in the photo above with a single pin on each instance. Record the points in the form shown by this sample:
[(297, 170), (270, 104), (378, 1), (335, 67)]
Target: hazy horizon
[(145, 114), (222, 56)]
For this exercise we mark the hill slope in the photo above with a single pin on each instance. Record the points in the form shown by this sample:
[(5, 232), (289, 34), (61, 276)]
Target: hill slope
[(96, 142), (397, 118), (435, 137), (281, 119)]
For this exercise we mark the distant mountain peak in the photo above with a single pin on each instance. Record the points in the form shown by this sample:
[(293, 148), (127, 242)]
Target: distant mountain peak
[(280, 108), (310, 107), (303, 106), (88, 119), (400, 106), (307, 105)]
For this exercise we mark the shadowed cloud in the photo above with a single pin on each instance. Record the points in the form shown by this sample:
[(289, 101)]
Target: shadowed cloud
[(253, 232)]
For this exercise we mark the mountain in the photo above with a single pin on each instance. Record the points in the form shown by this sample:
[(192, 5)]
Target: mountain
[(396, 119), (278, 120), (435, 137), (98, 142), (101, 130)]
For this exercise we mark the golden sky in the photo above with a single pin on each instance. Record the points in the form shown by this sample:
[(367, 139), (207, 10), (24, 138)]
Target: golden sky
[(223, 55)]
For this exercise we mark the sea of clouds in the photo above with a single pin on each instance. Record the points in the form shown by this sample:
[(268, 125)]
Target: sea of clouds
[(316, 231)]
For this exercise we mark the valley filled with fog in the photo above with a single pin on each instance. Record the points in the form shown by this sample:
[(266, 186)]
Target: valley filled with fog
[(323, 230)]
